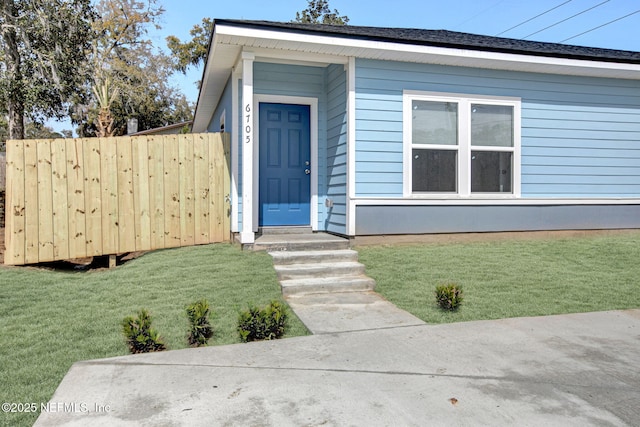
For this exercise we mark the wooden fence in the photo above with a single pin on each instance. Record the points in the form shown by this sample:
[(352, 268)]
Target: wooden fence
[(3, 169), (77, 198)]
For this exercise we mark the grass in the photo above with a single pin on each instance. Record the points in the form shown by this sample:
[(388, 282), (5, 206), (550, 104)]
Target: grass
[(510, 278), (51, 319)]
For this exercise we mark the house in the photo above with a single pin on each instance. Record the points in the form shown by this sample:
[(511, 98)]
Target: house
[(380, 131), (172, 129)]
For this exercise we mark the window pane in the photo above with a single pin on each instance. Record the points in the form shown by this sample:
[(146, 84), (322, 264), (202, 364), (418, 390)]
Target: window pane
[(491, 172), (435, 122), (434, 170), (492, 125)]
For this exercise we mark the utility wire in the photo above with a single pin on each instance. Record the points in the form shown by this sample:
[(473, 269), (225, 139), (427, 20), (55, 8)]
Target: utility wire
[(480, 13), (600, 26), (537, 16), (566, 19)]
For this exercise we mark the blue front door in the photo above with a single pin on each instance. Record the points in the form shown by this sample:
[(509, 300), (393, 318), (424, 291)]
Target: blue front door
[(285, 179)]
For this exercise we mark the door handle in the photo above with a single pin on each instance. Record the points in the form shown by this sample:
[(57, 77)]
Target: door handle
[(307, 171)]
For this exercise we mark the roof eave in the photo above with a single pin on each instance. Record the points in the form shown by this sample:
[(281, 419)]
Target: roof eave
[(231, 34)]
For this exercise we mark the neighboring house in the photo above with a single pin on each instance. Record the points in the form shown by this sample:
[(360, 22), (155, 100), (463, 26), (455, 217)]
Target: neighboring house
[(165, 130), (370, 131)]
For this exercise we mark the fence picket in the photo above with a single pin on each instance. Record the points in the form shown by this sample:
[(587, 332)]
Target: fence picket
[(141, 158), (93, 196), (76, 209), (45, 202), (60, 196), (15, 204), (126, 216), (156, 191), (31, 201)]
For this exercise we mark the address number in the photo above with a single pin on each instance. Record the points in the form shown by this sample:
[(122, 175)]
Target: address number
[(247, 128)]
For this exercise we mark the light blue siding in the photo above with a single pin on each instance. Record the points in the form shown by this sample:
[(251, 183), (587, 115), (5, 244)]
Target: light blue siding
[(294, 80), (336, 150), (576, 131), (223, 106)]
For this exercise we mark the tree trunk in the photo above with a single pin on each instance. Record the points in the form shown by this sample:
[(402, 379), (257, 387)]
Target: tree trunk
[(15, 103)]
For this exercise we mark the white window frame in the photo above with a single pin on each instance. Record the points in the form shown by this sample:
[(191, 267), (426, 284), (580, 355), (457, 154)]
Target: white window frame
[(222, 121), (464, 146)]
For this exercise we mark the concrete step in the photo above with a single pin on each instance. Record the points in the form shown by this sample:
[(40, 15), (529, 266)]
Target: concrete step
[(299, 242), (285, 230), (326, 285), (325, 269), (313, 257)]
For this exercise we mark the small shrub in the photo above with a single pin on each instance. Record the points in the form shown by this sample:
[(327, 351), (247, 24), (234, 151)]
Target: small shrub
[(449, 297), (266, 323), (200, 328), (141, 338)]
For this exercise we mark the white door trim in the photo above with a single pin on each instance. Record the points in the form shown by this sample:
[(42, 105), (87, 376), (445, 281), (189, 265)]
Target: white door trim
[(313, 129)]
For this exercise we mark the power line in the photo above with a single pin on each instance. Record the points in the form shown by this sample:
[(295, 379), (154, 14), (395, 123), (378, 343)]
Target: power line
[(480, 13), (537, 16), (566, 19), (600, 26)]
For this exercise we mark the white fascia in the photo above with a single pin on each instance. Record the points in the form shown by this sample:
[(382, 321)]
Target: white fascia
[(345, 46)]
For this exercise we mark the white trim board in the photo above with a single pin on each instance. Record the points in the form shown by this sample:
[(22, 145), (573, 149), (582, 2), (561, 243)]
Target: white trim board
[(350, 226), (389, 201)]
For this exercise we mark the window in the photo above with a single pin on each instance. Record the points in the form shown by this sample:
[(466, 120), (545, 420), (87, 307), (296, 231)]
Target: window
[(460, 145), (222, 120)]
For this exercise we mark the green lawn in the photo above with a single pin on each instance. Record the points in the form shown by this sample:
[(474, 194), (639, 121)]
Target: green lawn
[(510, 278), (51, 319)]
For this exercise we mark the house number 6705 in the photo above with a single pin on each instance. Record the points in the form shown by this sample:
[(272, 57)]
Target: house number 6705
[(247, 128)]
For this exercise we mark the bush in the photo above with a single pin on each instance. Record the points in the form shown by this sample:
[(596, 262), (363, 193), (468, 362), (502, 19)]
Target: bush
[(141, 338), (267, 323), (449, 296), (200, 328)]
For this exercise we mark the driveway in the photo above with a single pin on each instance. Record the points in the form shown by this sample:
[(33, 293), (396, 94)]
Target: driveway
[(568, 370)]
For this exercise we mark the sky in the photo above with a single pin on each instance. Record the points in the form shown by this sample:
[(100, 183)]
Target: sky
[(538, 20)]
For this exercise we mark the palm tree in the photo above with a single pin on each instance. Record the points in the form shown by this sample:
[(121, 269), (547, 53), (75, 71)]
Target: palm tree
[(105, 95)]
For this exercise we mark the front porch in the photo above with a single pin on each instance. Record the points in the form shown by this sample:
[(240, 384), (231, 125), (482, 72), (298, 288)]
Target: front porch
[(288, 121), (306, 241)]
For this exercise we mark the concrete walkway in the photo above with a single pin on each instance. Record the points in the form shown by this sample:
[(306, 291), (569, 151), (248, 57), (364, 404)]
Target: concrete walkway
[(569, 370), (334, 312)]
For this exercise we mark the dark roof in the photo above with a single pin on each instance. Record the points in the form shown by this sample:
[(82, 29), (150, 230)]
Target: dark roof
[(445, 38)]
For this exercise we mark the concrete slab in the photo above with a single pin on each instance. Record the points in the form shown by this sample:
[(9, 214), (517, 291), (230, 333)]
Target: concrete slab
[(348, 311), (570, 370), (298, 242)]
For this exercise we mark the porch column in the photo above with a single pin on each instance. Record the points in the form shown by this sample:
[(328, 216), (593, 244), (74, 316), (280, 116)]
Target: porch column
[(246, 120)]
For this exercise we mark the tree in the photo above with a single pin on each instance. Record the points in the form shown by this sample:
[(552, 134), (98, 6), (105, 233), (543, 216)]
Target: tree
[(44, 46), (35, 130), (105, 95), (193, 52), (318, 12), (32, 130), (135, 70)]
